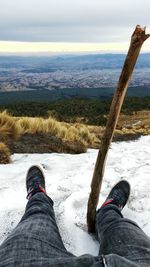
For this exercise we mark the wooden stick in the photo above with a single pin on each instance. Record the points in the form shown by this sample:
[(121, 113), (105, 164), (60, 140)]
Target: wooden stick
[(137, 39)]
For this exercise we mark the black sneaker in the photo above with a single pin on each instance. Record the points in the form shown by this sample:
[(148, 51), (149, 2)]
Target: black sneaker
[(118, 195), (35, 181)]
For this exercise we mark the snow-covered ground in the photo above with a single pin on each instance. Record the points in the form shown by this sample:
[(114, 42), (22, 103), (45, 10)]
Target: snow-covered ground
[(68, 180)]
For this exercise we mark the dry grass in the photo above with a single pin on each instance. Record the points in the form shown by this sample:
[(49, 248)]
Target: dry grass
[(88, 136), (8, 126), (4, 154), (87, 133), (138, 123), (65, 131)]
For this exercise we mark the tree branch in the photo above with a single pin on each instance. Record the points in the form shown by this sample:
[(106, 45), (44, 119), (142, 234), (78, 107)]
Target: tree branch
[(137, 39)]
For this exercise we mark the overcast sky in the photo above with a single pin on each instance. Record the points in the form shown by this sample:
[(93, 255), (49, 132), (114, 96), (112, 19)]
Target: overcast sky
[(58, 25), (72, 20)]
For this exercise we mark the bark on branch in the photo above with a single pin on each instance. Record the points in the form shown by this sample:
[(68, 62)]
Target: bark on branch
[(137, 39)]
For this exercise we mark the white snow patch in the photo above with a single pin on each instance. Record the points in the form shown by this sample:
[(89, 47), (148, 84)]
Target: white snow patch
[(68, 179)]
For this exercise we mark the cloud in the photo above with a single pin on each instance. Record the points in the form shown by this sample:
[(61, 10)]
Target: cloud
[(71, 20)]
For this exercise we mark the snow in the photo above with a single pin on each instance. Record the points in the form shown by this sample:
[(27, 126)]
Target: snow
[(68, 180)]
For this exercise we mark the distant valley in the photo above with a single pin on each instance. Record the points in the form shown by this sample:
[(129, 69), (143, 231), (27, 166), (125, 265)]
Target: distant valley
[(61, 77), (74, 92)]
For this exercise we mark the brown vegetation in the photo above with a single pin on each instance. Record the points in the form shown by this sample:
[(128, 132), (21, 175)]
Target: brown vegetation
[(137, 123), (4, 154), (45, 143), (8, 126), (33, 135), (44, 135), (64, 131)]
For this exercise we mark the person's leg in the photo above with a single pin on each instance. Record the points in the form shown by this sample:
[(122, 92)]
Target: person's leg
[(36, 241), (36, 237), (121, 236), (37, 233), (39, 223)]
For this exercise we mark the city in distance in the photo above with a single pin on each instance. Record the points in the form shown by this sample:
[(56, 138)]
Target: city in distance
[(60, 77)]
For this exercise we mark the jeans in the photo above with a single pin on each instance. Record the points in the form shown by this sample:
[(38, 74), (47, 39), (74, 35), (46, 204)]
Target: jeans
[(36, 240), (121, 236)]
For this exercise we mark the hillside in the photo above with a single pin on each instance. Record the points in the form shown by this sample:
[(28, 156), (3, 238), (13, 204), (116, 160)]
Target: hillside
[(88, 111), (68, 93), (69, 126)]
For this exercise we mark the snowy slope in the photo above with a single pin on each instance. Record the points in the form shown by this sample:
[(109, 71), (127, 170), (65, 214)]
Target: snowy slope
[(68, 180)]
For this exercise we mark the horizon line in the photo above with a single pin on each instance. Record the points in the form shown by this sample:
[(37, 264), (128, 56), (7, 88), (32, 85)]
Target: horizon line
[(18, 47)]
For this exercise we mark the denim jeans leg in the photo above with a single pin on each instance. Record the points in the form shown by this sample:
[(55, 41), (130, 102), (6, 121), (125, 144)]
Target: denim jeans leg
[(38, 230), (121, 236), (39, 219), (36, 240)]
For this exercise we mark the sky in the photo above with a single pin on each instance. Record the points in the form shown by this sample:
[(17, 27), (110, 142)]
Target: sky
[(70, 25)]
